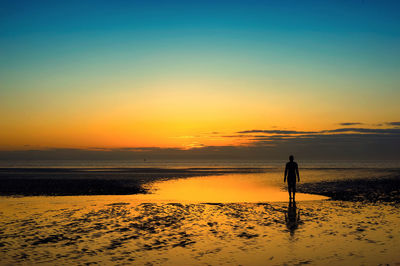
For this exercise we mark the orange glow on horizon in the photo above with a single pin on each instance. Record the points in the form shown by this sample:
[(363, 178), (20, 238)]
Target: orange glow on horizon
[(180, 115)]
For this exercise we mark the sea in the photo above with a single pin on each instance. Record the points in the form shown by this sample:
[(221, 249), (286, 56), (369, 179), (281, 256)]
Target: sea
[(178, 164)]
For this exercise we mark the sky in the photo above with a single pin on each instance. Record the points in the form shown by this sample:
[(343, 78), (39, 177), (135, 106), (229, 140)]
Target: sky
[(195, 75)]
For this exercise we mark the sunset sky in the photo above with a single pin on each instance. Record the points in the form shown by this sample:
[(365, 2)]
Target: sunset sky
[(182, 74)]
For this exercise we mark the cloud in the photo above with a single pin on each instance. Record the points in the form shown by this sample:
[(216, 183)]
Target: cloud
[(350, 123), (302, 133), (323, 146), (285, 135), (393, 123), (237, 136), (288, 132), (339, 143), (364, 130)]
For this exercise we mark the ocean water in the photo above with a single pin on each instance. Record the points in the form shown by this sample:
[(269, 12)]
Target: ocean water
[(273, 164)]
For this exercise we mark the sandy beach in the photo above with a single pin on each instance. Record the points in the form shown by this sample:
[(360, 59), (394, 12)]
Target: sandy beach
[(183, 219), (114, 230)]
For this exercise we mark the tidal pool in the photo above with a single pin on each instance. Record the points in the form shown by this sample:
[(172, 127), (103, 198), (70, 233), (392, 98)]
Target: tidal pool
[(222, 189)]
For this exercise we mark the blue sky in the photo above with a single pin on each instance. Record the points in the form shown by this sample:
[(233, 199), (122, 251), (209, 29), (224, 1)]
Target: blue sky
[(69, 64)]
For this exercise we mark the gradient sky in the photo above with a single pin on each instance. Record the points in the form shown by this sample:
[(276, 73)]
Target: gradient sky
[(86, 74)]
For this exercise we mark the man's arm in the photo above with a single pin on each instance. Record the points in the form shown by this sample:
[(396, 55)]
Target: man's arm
[(286, 169), (297, 173)]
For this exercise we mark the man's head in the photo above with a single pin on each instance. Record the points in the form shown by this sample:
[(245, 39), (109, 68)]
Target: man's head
[(291, 158)]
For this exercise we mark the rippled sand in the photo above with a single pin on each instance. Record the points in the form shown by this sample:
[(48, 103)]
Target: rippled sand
[(121, 230)]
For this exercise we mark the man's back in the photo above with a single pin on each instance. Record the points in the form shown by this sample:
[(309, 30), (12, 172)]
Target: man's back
[(291, 169), (291, 172)]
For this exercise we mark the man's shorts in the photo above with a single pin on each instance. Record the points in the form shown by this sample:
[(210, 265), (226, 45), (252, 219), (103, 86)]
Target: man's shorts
[(291, 182)]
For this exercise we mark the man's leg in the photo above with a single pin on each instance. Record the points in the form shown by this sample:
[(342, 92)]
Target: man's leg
[(294, 190), (290, 190)]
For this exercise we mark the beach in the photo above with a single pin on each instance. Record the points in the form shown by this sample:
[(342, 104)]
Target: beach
[(150, 220), (114, 230)]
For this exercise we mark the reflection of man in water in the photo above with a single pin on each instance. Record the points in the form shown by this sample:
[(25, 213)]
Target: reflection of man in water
[(292, 217), (291, 172)]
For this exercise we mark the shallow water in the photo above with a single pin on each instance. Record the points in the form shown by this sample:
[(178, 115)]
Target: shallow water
[(257, 187)]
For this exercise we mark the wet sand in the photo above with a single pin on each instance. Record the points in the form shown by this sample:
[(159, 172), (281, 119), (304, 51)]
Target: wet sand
[(186, 221), (116, 230), (384, 189)]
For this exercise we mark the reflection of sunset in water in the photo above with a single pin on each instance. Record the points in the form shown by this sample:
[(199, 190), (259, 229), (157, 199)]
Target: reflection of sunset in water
[(110, 230), (226, 188)]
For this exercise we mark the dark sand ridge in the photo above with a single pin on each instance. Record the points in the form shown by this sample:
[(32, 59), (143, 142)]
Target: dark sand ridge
[(386, 189)]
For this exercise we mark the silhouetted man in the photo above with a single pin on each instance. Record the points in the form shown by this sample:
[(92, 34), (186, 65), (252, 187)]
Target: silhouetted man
[(291, 172)]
